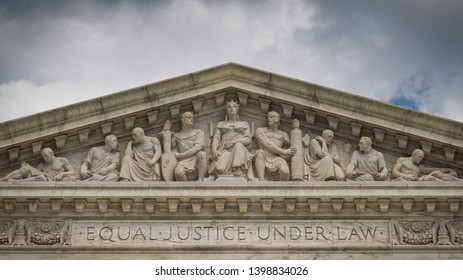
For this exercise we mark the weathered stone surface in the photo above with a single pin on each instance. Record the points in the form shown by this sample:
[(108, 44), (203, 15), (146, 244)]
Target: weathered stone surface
[(233, 216)]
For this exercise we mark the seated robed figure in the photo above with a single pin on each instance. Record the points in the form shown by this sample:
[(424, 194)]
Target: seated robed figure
[(274, 151), (141, 159), (101, 163), (184, 157), (230, 143), (322, 159), (366, 164)]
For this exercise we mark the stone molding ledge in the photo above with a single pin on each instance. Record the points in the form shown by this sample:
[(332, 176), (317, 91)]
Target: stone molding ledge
[(256, 197)]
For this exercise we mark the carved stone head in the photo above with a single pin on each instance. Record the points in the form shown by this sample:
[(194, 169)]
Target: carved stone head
[(111, 142), (273, 118), (365, 144), (232, 109), (138, 134), (47, 154), (187, 120), (417, 156), (328, 135)]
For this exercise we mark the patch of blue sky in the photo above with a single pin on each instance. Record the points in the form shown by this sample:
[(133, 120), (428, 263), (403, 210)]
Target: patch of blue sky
[(404, 102), (411, 91)]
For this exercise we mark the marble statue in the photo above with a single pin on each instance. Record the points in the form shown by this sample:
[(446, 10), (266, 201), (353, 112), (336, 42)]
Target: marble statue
[(410, 169), (141, 159), (52, 169), (230, 143), (366, 164), (187, 147), (274, 151), (322, 159), (101, 163)]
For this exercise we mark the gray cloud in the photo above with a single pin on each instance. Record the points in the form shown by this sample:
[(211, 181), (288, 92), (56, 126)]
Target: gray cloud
[(59, 52)]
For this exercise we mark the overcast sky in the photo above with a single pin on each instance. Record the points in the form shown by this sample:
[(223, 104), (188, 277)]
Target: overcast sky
[(54, 53)]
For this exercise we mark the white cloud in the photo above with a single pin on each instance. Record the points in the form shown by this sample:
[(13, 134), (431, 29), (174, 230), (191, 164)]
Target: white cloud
[(19, 98), (73, 51)]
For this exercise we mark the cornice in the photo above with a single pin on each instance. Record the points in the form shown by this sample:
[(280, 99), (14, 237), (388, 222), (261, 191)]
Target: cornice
[(241, 78), (282, 198)]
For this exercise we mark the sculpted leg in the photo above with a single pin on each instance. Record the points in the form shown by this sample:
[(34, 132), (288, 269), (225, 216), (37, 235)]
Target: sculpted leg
[(284, 173), (239, 153), (259, 162), (223, 162), (202, 165), (15, 175), (125, 172), (157, 172), (180, 173)]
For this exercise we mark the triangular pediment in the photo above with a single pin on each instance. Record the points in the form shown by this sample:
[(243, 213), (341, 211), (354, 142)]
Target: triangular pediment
[(72, 130)]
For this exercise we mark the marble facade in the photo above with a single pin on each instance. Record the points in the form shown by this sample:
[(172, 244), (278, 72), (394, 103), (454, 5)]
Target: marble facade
[(230, 215)]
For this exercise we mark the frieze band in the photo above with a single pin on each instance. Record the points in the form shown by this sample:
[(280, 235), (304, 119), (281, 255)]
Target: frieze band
[(230, 233), (181, 156)]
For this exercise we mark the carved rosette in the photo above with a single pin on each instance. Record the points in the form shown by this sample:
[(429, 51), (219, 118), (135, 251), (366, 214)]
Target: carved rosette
[(46, 233), (7, 232), (417, 233), (455, 232)]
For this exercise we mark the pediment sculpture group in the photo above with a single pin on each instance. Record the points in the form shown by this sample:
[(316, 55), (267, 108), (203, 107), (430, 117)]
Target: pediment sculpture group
[(182, 157)]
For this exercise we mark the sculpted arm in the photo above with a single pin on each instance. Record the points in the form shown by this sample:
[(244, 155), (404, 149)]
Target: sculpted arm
[(199, 145), (111, 167), (335, 154), (351, 166), (245, 139), (263, 141), (382, 175), (319, 148), (215, 143), (68, 169), (84, 172), (157, 151), (397, 171), (128, 150)]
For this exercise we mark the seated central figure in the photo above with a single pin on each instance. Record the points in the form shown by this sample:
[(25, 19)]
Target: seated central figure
[(230, 144)]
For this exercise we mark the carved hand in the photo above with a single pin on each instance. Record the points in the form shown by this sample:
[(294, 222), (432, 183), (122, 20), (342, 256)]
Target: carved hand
[(150, 163), (104, 171), (380, 176), (85, 174), (289, 152), (214, 154), (228, 145), (350, 174), (409, 177), (59, 177)]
